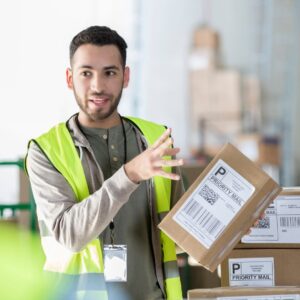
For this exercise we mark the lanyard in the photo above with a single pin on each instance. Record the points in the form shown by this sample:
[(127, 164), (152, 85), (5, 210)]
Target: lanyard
[(111, 224)]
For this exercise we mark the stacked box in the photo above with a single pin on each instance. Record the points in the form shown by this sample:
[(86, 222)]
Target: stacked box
[(204, 52), (270, 254), (205, 37), (215, 107), (261, 267), (265, 150), (244, 293)]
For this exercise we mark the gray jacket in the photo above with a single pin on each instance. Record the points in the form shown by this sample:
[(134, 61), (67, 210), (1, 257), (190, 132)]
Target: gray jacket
[(74, 224)]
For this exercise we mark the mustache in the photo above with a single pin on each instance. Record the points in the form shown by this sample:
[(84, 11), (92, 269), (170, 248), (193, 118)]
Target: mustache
[(100, 95)]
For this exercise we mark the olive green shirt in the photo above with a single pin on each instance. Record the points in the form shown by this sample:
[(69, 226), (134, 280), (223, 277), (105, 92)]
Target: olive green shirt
[(132, 224)]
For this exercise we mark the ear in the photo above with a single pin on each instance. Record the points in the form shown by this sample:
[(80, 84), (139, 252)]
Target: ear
[(69, 78), (126, 77)]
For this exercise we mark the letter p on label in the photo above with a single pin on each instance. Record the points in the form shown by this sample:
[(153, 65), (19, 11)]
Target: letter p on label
[(221, 171), (235, 267)]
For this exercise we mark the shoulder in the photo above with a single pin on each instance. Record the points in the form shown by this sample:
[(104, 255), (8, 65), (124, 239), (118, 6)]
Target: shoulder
[(67, 127), (36, 161), (142, 122), (147, 128), (36, 146), (150, 130)]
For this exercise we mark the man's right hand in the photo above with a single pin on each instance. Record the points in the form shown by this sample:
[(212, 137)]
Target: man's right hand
[(151, 162)]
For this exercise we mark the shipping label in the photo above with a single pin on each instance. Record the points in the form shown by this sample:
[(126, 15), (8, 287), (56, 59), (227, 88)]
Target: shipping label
[(214, 203), (258, 271), (266, 297), (281, 223)]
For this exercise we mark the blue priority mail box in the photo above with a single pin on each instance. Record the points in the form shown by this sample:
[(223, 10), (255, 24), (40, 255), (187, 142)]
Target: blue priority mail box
[(219, 207)]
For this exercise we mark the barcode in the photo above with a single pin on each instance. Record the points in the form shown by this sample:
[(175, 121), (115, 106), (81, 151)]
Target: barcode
[(209, 195), (289, 221), (203, 218), (263, 223)]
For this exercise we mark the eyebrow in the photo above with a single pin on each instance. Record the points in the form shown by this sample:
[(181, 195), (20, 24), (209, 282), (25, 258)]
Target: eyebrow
[(114, 67), (85, 67)]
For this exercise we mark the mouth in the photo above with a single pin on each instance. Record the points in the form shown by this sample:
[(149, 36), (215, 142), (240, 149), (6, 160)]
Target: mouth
[(99, 101)]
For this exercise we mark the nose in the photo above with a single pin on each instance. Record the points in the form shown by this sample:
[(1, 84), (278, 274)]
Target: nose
[(97, 84)]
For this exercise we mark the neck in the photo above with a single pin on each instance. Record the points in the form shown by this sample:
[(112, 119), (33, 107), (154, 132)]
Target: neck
[(111, 121)]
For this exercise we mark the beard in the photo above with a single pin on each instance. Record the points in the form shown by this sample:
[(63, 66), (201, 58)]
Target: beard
[(99, 114)]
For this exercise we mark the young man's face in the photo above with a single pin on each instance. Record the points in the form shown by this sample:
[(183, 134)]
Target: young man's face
[(97, 79)]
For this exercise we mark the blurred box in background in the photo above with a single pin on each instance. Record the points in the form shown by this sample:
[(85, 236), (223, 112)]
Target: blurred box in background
[(269, 151), (205, 37), (263, 150), (204, 51), (215, 93), (260, 149), (215, 107), (248, 144)]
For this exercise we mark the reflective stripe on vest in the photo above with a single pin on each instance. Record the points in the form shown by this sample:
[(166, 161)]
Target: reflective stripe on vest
[(58, 146), (162, 187)]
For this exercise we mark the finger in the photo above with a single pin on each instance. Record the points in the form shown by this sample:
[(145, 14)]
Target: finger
[(171, 151), (255, 223), (261, 217), (164, 174), (168, 163), (164, 146), (161, 139)]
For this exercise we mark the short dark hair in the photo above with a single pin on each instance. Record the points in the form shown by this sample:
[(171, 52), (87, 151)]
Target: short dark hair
[(99, 36)]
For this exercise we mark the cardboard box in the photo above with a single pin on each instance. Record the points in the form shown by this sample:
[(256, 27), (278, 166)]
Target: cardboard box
[(219, 207), (280, 226), (203, 59), (206, 37), (244, 292), (248, 145), (215, 108), (261, 149), (270, 151), (215, 93), (261, 267)]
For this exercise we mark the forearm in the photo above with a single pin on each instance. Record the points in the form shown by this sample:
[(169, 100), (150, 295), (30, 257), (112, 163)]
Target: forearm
[(72, 223), (85, 220)]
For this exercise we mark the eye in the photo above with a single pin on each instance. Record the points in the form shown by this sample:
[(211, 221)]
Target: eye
[(86, 73), (110, 73)]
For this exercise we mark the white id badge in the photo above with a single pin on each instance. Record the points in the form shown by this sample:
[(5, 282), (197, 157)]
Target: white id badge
[(115, 263)]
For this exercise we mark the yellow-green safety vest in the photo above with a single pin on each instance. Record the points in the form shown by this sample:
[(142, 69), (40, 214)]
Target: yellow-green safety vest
[(85, 269)]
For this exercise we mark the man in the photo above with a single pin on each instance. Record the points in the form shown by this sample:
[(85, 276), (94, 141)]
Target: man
[(101, 184)]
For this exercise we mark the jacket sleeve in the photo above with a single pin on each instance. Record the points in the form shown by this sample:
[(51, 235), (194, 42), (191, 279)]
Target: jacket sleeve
[(72, 223)]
